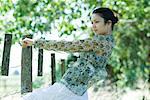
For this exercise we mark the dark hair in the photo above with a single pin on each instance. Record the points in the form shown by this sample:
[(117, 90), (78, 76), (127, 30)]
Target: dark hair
[(107, 14)]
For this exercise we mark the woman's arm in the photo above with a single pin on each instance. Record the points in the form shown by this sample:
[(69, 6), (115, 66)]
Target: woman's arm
[(73, 46)]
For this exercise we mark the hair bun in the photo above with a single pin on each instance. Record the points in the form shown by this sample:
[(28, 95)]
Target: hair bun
[(115, 19)]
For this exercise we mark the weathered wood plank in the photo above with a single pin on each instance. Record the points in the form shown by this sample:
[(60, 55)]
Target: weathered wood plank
[(53, 63), (62, 67), (6, 54), (40, 62), (26, 69)]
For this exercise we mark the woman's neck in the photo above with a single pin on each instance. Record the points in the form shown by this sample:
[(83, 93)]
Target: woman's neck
[(108, 33)]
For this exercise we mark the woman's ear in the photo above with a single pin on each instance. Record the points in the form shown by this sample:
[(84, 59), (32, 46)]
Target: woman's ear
[(109, 23), (109, 26)]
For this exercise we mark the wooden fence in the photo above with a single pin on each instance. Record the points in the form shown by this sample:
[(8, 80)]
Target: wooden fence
[(26, 64)]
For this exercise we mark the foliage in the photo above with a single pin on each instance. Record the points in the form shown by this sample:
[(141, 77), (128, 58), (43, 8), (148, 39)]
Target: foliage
[(67, 17), (38, 83), (130, 56)]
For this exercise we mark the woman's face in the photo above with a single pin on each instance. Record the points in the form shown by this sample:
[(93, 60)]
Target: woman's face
[(98, 25)]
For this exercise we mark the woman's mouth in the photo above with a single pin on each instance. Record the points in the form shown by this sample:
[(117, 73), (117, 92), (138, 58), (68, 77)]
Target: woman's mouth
[(95, 30)]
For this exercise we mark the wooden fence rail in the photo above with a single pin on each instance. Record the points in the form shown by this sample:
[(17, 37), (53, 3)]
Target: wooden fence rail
[(40, 62), (26, 68), (26, 64), (6, 54)]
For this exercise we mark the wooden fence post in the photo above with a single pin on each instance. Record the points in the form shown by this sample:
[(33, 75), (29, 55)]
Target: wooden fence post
[(40, 62), (62, 67), (6, 54), (26, 69), (53, 63)]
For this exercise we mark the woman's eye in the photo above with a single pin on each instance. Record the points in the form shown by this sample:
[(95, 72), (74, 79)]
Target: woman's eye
[(96, 21)]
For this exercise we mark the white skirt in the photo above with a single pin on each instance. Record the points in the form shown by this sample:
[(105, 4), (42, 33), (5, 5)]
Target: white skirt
[(57, 91)]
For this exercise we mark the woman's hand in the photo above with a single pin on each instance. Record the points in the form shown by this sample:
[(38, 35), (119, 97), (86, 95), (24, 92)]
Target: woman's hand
[(27, 42)]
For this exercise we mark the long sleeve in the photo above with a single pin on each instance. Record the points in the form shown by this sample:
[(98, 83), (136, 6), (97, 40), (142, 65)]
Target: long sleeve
[(73, 46)]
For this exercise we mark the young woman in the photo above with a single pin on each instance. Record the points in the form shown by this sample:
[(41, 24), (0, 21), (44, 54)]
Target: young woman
[(89, 67)]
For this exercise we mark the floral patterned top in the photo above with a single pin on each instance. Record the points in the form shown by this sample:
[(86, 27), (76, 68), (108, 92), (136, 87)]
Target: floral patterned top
[(90, 65)]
